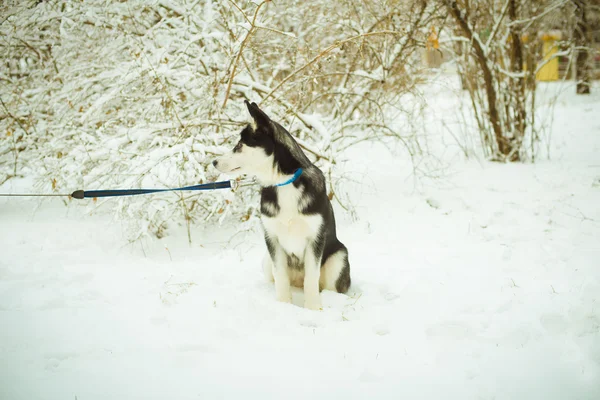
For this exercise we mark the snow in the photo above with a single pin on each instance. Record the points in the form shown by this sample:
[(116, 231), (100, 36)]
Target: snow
[(482, 285)]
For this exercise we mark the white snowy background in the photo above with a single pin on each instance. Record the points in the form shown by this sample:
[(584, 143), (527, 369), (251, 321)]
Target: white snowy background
[(483, 284), (471, 279)]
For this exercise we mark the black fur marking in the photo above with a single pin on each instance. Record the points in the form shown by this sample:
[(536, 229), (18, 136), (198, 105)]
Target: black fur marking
[(294, 262), (257, 138), (343, 283), (271, 246), (284, 161), (238, 147), (259, 116), (319, 245), (312, 203), (269, 206)]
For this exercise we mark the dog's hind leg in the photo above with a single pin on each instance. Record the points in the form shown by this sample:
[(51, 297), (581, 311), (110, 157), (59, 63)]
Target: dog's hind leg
[(335, 272)]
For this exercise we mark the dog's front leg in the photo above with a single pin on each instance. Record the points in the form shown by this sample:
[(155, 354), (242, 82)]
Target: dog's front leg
[(280, 274), (312, 273)]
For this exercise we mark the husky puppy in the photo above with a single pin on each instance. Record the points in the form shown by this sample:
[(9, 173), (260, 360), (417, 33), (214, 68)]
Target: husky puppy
[(296, 214)]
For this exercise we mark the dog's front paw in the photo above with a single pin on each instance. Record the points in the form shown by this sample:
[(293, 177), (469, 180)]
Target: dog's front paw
[(284, 297), (312, 304)]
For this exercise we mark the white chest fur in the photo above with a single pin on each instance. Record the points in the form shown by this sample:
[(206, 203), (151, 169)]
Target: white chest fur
[(292, 229)]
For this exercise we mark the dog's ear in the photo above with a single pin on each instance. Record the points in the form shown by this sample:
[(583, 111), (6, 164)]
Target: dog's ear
[(259, 116)]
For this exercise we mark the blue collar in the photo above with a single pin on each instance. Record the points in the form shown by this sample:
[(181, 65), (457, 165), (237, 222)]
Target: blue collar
[(292, 179)]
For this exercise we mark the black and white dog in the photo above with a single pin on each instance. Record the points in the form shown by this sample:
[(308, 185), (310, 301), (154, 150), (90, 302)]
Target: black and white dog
[(296, 213)]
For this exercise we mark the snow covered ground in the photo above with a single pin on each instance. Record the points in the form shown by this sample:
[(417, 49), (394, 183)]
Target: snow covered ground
[(482, 285)]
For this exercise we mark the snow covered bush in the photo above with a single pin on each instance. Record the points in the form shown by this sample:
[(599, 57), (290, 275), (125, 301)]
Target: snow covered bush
[(126, 94), (498, 55)]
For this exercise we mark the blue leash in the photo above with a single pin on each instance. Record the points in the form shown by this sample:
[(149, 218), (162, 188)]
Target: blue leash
[(231, 184), (86, 194)]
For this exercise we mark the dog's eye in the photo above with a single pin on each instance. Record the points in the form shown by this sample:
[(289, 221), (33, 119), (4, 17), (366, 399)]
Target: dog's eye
[(237, 148)]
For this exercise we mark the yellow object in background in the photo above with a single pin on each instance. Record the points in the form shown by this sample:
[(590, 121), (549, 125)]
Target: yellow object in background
[(549, 72), (432, 40)]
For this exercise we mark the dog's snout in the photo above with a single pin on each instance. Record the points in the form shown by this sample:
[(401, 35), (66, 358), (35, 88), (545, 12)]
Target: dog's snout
[(215, 162)]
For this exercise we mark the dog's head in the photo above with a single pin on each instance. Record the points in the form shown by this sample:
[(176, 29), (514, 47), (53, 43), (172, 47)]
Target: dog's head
[(253, 154)]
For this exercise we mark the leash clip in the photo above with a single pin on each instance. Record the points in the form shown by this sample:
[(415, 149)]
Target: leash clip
[(240, 183)]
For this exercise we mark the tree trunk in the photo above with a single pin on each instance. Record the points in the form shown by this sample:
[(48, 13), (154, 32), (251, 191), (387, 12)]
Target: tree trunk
[(583, 41), (505, 146), (518, 84)]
